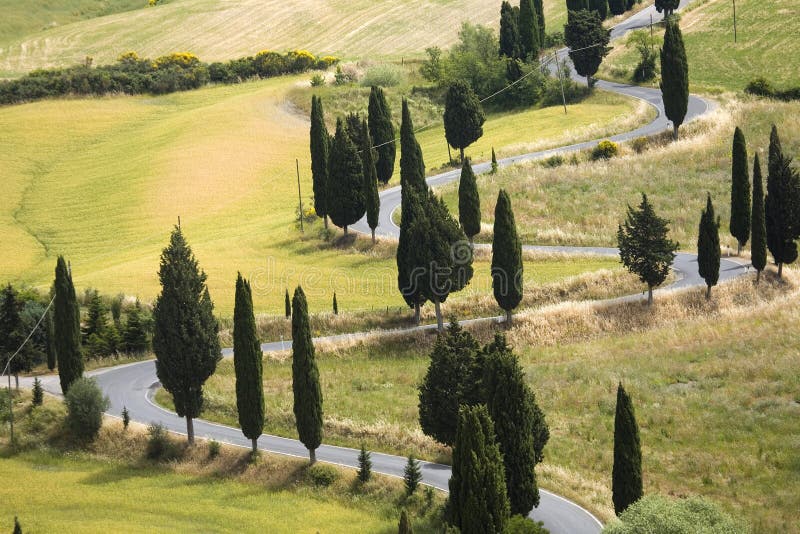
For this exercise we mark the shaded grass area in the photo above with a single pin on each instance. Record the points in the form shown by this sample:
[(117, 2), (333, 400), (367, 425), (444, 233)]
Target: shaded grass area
[(766, 43), (583, 204)]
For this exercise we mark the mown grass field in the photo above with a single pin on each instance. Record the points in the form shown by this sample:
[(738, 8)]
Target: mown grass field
[(220, 30), (767, 45), (714, 386), (583, 204)]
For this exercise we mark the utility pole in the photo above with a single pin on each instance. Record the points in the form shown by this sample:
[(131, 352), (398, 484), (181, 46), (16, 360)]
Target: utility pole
[(299, 195), (560, 81), (734, 21), (10, 406)]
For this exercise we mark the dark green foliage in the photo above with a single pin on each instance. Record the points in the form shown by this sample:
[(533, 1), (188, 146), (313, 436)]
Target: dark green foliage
[(782, 205), (626, 483), (528, 31), (667, 6), (507, 268), (519, 524), (412, 475), (126, 417), (160, 446), (66, 328), (509, 32), (335, 304), (382, 132), (322, 475), (319, 157), (85, 406), (37, 393), (577, 5), (98, 337), (287, 305), (50, 343), (478, 502), (17, 526), (185, 338), (601, 7), (305, 378), (494, 162), (588, 42), (659, 514), (364, 464), (617, 7), (518, 423), (644, 247), (758, 245), (345, 180), (469, 202), (214, 448), (463, 116), (674, 76), (708, 253), (538, 5), (247, 364), (356, 127), (404, 527), (371, 197), (451, 381), (134, 335), (11, 333), (762, 87)]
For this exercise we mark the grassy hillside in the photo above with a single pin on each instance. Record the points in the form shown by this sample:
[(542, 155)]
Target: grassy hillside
[(767, 45), (220, 29)]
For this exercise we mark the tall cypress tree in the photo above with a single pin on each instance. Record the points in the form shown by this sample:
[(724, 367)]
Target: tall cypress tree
[(758, 245), (345, 180), (287, 305), (185, 338), (528, 31), (518, 421), (644, 247), (667, 6), (478, 502), (247, 364), (507, 268), (782, 205), (708, 254), (617, 7), (469, 202), (588, 42), (674, 76), (319, 158), (509, 32), (577, 5), (371, 197), (538, 5), (11, 335), (626, 481), (412, 475), (67, 328), (51, 341), (740, 191), (305, 378), (463, 115), (382, 132)]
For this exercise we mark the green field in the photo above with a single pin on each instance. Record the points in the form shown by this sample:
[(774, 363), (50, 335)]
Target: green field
[(767, 45), (583, 204), (220, 30), (714, 386)]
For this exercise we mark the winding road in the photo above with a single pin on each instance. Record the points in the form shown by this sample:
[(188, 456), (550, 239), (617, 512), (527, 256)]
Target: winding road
[(134, 385)]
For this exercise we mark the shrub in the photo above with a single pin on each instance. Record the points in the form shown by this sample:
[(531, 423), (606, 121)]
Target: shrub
[(522, 525), (760, 86), (85, 407), (554, 40), (322, 475), (38, 392), (300, 60), (326, 62), (126, 417), (640, 144), (214, 449), (317, 80), (382, 76), (655, 513), (160, 446), (345, 75), (553, 161), (605, 150)]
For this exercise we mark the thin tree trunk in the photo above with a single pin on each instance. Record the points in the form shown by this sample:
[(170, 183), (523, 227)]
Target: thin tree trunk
[(589, 82), (439, 321), (462, 156), (416, 313), (325, 218), (373, 235), (780, 270), (675, 131), (508, 319), (312, 456), (758, 276), (708, 293), (345, 230), (16, 379), (650, 296), (738, 248), (255, 445), (472, 242), (190, 429)]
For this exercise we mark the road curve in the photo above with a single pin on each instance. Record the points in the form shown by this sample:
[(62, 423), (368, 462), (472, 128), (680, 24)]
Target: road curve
[(133, 385)]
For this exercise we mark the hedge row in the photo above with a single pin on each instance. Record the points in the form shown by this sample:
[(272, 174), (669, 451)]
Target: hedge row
[(762, 87)]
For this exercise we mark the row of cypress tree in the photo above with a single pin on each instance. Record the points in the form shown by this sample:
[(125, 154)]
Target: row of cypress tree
[(603, 8), (522, 30)]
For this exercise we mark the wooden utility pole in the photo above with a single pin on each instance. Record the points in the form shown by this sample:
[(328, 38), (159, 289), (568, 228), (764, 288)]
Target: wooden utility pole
[(734, 21), (299, 195), (560, 81)]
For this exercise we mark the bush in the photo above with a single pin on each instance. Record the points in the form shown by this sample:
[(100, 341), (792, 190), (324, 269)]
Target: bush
[(85, 406), (605, 150), (760, 87), (322, 475), (640, 144), (655, 513), (160, 446), (38, 392), (345, 75), (554, 40), (214, 449), (382, 76), (317, 80), (522, 525), (553, 161)]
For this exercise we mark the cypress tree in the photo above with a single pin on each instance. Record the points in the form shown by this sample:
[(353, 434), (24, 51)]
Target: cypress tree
[(96, 322), (335, 304), (287, 304), (509, 32), (469, 202), (11, 336), (364, 464), (478, 502), (37, 392), (134, 335), (674, 76), (494, 162), (644, 247), (319, 158), (126, 417), (538, 5), (507, 267), (588, 42), (382, 132), (781, 205), (708, 254), (617, 7), (356, 128), (305, 378), (517, 422), (371, 197), (667, 6), (577, 5), (346, 180), (247, 364), (51, 342), (626, 482), (463, 115), (740, 191), (185, 337), (404, 526), (528, 32), (448, 383), (601, 7), (758, 245), (17, 526), (412, 475), (66, 328)]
